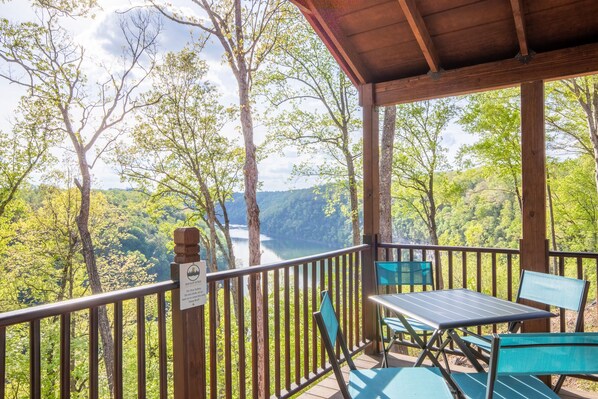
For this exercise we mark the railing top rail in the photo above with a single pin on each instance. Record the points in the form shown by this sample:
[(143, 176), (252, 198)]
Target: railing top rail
[(228, 274), (77, 304), (450, 248), (585, 255)]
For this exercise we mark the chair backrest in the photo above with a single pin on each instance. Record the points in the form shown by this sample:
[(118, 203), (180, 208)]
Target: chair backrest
[(328, 325), (542, 354), (398, 273), (562, 292)]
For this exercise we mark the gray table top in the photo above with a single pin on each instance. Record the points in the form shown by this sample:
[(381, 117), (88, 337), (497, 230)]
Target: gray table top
[(445, 309)]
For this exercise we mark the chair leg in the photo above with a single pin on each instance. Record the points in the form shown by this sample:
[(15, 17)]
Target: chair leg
[(559, 383), (385, 350), (443, 344)]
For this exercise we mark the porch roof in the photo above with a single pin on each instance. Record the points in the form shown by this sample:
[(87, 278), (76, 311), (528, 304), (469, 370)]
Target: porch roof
[(419, 49)]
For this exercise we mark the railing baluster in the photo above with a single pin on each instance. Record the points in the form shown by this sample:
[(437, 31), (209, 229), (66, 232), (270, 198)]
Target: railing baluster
[(509, 277), (141, 359), (337, 295), (241, 364), (305, 322), (65, 356), (118, 350), (266, 329), (351, 301), (296, 326), (228, 378), (213, 298), (35, 376), (493, 282), (439, 279), (464, 268), (322, 285), (93, 353), (277, 359), (314, 304), (2, 362), (450, 268), (344, 291), (358, 321), (287, 330), (162, 354), (579, 267), (478, 264)]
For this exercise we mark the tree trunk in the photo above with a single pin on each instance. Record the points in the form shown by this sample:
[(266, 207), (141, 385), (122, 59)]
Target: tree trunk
[(90, 262), (386, 155), (552, 226), (354, 201), (253, 218)]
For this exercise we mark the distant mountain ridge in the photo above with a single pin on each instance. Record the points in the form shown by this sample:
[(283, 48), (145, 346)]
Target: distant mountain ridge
[(294, 214)]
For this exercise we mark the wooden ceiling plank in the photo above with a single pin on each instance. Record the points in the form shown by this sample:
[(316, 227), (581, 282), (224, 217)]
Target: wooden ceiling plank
[(328, 30), (420, 31), (552, 65), (517, 7)]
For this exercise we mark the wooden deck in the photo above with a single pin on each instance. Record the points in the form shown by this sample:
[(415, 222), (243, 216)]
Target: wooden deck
[(328, 388)]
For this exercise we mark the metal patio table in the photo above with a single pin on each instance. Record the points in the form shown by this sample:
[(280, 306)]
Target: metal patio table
[(447, 310)]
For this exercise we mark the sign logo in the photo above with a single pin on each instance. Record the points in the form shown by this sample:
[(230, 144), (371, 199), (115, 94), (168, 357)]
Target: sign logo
[(193, 272)]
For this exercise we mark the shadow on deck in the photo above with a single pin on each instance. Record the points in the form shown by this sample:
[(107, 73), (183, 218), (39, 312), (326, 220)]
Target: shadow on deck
[(328, 388)]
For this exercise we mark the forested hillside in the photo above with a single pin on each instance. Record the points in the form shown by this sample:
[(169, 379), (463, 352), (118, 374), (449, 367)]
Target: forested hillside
[(295, 214)]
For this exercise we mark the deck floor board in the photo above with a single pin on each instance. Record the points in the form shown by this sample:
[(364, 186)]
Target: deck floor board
[(328, 387)]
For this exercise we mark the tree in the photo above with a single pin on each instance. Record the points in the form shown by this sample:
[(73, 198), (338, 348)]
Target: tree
[(315, 111), (495, 119), (419, 155), (573, 113), (178, 150), (42, 58), (247, 32), (23, 149), (386, 161)]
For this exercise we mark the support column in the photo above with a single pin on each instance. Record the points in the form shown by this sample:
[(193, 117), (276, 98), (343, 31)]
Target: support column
[(188, 339), (533, 245), (371, 206)]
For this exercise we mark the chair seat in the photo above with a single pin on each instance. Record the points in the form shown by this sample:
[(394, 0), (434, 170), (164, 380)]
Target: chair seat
[(404, 383), (473, 386), (483, 344), (397, 326)]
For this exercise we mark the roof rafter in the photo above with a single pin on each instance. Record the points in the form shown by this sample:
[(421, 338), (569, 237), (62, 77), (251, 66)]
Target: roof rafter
[(517, 7), (342, 51), (420, 31)]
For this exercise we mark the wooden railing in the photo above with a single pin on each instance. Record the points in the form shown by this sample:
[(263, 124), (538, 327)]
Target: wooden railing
[(227, 356), (59, 346), (494, 271)]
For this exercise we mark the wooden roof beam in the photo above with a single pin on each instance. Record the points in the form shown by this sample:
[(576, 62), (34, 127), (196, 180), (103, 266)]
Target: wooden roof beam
[(420, 31), (517, 8), (326, 27), (551, 65)]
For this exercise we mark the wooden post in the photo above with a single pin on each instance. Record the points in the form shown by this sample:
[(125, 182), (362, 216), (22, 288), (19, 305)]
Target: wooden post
[(371, 207), (188, 339), (534, 247)]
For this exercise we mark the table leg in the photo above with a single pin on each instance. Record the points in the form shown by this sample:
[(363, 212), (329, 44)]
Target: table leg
[(465, 349)]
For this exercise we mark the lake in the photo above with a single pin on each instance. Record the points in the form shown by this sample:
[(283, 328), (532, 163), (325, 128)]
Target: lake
[(274, 249)]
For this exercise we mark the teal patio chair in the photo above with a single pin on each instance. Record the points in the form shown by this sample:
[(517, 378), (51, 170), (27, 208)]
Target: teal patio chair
[(397, 274), (383, 383), (516, 360), (548, 289)]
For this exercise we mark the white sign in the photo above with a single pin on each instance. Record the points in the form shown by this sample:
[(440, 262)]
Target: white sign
[(193, 283)]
